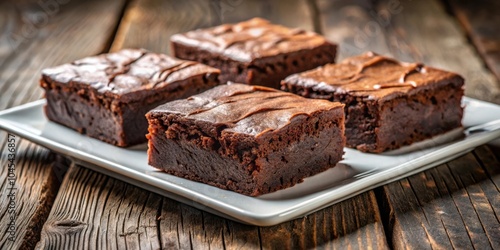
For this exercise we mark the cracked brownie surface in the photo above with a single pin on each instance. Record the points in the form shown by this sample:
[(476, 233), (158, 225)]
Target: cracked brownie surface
[(106, 96), (255, 51), (389, 104)]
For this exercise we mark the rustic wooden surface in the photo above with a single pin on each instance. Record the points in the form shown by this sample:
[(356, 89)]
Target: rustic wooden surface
[(111, 214), (149, 24), (454, 205), (36, 186), (32, 39)]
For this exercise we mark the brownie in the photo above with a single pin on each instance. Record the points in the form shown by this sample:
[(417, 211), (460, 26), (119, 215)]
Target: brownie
[(249, 139), (255, 51), (107, 96), (388, 104)]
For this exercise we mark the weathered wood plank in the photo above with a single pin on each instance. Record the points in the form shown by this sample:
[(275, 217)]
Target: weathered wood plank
[(410, 31), (94, 211), (149, 24), (37, 34), (352, 224), (490, 163), (453, 205), (185, 227), (481, 21), (33, 190)]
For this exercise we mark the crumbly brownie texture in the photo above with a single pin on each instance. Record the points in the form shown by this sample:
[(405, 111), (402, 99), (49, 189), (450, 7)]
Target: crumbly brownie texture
[(254, 51), (249, 139), (389, 103), (107, 96)]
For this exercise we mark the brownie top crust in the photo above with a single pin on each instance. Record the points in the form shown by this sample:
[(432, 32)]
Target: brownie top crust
[(372, 76), (246, 109), (246, 41), (127, 72)]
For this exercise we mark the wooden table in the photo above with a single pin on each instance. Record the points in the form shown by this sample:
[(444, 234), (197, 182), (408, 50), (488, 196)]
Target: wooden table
[(61, 205)]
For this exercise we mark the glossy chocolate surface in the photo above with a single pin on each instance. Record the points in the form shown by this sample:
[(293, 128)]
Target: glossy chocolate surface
[(371, 75), (126, 71), (246, 109), (246, 41)]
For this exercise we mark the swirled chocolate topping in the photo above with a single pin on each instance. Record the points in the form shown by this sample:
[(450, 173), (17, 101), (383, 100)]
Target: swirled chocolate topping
[(251, 39), (126, 71), (371, 75), (246, 109)]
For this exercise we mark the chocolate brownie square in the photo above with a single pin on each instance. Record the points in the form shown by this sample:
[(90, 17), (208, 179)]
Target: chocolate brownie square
[(249, 139), (255, 51), (107, 96), (388, 104)]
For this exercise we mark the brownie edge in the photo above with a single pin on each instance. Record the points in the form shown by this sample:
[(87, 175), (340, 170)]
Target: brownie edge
[(248, 139)]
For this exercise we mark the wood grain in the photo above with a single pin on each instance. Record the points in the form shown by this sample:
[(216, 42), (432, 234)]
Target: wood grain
[(481, 21), (352, 224), (185, 227), (410, 31), (34, 37), (150, 23), (94, 211), (453, 205), (35, 188)]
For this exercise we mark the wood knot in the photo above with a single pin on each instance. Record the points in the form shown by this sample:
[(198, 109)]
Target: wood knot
[(69, 223), (66, 226)]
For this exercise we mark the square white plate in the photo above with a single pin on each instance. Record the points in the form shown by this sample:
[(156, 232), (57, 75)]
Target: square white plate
[(357, 173)]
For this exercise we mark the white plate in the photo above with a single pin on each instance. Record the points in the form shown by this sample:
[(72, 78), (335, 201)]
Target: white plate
[(357, 173)]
